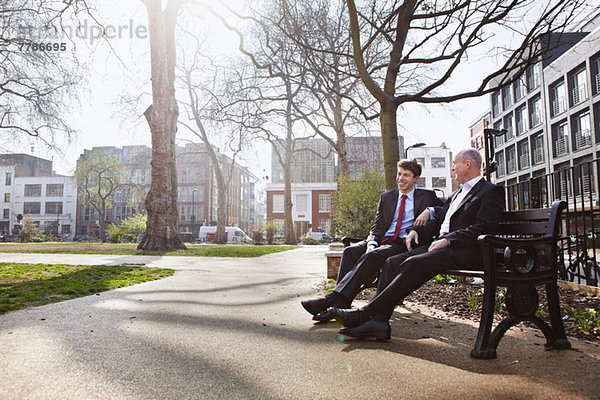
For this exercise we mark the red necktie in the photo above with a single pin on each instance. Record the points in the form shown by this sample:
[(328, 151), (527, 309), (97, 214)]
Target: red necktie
[(398, 222)]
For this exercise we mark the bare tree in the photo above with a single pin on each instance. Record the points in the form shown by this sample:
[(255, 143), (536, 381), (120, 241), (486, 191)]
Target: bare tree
[(100, 177), (432, 38), (161, 202), (206, 86), (38, 68), (333, 104)]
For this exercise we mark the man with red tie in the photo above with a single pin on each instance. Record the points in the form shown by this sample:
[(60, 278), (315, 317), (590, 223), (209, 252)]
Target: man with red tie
[(398, 210)]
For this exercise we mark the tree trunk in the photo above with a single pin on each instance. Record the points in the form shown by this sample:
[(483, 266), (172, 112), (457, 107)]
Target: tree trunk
[(288, 222), (221, 234), (389, 141), (161, 202)]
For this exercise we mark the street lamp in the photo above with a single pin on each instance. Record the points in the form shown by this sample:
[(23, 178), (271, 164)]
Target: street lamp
[(194, 204), (488, 137), (412, 147)]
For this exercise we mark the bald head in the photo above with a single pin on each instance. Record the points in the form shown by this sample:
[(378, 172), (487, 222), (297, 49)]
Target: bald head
[(467, 165)]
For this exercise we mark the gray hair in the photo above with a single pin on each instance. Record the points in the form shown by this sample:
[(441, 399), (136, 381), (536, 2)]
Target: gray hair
[(472, 155)]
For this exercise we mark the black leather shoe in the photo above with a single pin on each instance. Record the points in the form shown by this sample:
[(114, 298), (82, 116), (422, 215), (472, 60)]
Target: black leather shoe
[(377, 329), (324, 316), (315, 306), (347, 317)]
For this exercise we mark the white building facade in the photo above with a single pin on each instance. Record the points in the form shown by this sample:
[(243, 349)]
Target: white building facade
[(436, 162), (50, 201)]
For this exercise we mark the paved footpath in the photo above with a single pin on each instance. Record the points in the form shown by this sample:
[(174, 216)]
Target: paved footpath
[(234, 329)]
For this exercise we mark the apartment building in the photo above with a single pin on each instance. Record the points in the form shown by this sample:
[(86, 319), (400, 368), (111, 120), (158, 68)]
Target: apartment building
[(551, 114), (313, 183), (197, 198), (436, 162), (30, 189)]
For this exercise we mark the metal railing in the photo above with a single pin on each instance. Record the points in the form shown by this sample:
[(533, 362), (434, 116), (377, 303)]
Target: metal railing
[(538, 155), (579, 247), (558, 106), (579, 94), (561, 146), (535, 118), (523, 161), (583, 139)]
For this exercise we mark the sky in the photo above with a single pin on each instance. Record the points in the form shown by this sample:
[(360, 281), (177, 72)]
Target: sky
[(119, 67)]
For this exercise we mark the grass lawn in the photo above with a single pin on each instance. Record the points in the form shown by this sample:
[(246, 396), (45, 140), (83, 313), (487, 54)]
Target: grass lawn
[(196, 250), (26, 285)]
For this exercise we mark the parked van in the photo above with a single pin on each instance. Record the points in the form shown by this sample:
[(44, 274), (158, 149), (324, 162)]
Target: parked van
[(234, 234), (320, 236)]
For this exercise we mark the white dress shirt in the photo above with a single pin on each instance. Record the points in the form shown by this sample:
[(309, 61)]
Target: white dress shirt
[(465, 188)]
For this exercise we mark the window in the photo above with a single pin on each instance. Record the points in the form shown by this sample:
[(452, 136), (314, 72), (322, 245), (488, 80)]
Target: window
[(6, 214), (301, 203), (582, 135), (325, 225), (511, 162), (558, 98), (500, 165), (33, 190), (560, 139), (520, 119), (523, 154), (508, 125), (278, 203), (54, 189), (595, 66), (438, 162), (496, 106), (421, 161), (498, 140), (519, 89), (31, 207), (438, 182), (577, 86), (324, 203), (66, 229), (506, 97), (420, 182), (54, 207), (7, 197), (537, 148), (533, 77), (8, 179), (535, 112)]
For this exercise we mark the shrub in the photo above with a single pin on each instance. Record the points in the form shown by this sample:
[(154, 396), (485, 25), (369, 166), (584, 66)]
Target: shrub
[(308, 240), (28, 230), (256, 232), (115, 233), (270, 231)]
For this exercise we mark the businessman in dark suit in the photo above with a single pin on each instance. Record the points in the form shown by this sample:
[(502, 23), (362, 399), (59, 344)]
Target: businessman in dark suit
[(473, 210), (362, 262)]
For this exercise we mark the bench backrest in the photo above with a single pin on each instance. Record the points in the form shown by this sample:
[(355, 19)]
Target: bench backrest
[(535, 222)]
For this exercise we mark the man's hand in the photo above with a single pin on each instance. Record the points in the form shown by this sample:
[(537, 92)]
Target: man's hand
[(412, 236), (439, 244), (370, 247), (423, 217)]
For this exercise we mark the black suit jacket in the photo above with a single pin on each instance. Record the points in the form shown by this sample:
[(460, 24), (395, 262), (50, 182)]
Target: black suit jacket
[(479, 213), (387, 207)]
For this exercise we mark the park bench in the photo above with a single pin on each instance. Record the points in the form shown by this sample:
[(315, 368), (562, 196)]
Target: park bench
[(521, 256)]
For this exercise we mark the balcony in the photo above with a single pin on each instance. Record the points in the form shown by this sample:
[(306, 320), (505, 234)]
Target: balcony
[(579, 94), (561, 146), (583, 139), (533, 81), (597, 80), (535, 118), (558, 106), (523, 161), (511, 164), (538, 155)]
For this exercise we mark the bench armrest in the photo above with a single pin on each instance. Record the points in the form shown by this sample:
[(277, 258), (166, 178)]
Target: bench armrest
[(522, 255), (347, 240)]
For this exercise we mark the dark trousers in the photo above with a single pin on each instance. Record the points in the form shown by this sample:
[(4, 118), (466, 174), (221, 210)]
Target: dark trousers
[(358, 268), (405, 273)]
